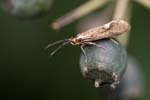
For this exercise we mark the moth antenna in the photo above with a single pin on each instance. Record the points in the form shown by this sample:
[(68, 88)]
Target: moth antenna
[(57, 42), (65, 43)]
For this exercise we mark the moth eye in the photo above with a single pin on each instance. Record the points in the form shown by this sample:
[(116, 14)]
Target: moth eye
[(73, 42)]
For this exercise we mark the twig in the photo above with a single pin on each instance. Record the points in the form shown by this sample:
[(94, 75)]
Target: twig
[(123, 11), (81, 11), (145, 3), (124, 38), (120, 9)]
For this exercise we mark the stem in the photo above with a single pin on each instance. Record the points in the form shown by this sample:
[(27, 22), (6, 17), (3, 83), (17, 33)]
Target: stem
[(81, 11), (123, 11), (145, 3)]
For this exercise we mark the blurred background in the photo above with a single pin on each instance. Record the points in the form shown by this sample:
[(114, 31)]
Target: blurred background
[(28, 73)]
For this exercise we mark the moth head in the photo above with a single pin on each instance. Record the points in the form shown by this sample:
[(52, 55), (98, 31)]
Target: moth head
[(75, 41)]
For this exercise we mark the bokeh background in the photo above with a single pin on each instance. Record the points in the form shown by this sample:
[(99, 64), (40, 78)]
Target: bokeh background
[(28, 73)]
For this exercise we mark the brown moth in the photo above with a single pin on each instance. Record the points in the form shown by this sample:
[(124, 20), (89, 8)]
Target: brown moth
[(108, 30)]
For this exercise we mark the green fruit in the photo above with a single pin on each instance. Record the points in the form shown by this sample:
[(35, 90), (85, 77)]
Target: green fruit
[(26, 8), (104, 65)]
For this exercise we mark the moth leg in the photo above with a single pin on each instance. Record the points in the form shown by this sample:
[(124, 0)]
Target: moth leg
[(83, 52), (114, 41), (93, 43)]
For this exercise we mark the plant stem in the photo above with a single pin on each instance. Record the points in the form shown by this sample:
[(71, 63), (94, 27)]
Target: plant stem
[(79, 12), (123, 11), (120, 9), (145, 3)]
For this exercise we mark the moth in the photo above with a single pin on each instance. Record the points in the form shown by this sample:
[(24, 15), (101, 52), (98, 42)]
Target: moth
[(108, 30)]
